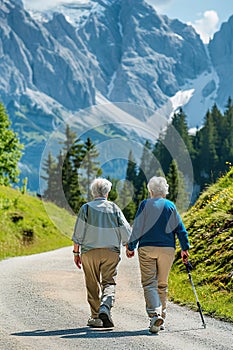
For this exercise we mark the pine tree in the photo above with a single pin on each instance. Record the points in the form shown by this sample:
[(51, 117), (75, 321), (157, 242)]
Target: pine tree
[(68, 160), (207, 159), (131, 171), (177, 190), (161, 155), (113, 193), (179, 121), (89, 166), (50, 167), (173, 181), (10, 151), (228, 151), (144, 168), (130, 185), (143, 192), (125, 199)]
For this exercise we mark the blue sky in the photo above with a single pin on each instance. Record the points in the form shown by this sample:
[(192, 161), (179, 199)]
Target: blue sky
[(205, 15)]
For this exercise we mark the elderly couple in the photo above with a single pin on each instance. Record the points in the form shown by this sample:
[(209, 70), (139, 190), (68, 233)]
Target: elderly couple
[(100, 230)]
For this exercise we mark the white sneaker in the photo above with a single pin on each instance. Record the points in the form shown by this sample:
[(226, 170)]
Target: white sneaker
[(94, 322), (155, 324)]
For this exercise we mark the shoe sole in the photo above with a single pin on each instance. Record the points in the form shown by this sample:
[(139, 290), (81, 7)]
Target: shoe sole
[(94, 326), (107, 323), (156, 326)]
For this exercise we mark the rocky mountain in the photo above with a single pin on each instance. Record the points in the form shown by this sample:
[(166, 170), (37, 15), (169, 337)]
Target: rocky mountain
[(221, 53), (68, 64)]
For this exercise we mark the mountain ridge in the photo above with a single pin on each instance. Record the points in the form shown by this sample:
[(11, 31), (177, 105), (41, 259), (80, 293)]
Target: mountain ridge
[(53, 67)]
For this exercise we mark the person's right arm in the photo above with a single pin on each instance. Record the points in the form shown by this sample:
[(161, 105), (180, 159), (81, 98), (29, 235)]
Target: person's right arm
[(78, 235), (137, 231), (80, 226)]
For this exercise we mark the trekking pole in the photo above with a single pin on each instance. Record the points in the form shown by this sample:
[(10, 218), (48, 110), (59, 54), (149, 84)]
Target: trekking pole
[(189, 267)]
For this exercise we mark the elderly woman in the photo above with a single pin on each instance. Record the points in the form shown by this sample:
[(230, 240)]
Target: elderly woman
[(99, 231), (154, 230)]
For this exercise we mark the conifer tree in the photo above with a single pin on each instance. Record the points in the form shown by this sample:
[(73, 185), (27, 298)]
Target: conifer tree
[(89, 166), (179, 121), (207, 159), (177, 190), (125, 199), (50, 167), (131, 171), (228, 151), (113, 193), (160, 153), (143, 192), (173, 181), (10, 151), (72, 155), (144, 168)]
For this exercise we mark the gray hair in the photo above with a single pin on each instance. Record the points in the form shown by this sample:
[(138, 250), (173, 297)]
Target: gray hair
[(100, 187), (158, 185)]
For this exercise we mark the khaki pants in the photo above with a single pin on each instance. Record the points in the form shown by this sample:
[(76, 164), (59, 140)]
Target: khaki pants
[(155, 265), (100, 269)]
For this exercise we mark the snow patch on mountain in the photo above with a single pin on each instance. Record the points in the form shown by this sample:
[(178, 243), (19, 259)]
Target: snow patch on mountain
[(203, 97), (181, 98)]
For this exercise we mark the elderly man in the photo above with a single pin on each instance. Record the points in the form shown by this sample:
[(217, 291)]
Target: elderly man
[(99, 231), (155, 228)]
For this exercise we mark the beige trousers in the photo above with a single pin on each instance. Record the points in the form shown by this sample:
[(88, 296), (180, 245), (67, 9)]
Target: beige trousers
[(100, 269), (155, 266)]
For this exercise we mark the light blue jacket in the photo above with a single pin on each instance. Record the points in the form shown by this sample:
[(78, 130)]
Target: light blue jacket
[(101, 224)]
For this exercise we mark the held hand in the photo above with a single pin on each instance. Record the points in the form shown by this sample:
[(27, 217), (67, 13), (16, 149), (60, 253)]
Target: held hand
[(184, 256), (77, 261), (129, 253)]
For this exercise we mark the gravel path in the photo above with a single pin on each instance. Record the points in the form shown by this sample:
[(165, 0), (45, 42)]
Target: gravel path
[(43, 307)]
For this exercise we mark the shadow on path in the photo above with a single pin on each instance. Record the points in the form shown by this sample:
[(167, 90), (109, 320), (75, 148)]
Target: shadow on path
[(84, 332), (87, 332)]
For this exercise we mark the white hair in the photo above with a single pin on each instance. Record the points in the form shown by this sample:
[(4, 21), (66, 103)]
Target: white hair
[(158, 185), (100, 187)]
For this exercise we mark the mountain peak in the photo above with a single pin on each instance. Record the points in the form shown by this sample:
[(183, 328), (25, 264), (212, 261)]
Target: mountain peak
[(118, 51)]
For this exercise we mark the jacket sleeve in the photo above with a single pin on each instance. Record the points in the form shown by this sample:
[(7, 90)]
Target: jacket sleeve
[(180, 230), (80, 226), (123, 227), (138, 227)]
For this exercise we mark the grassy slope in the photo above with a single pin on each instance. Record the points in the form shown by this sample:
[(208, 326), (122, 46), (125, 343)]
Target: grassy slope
[(25, 227), (210, 226)]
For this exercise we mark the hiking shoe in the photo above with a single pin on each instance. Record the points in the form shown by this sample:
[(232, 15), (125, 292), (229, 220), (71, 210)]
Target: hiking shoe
[(94, 322), (104, 315), (162, 327), (155, 323)]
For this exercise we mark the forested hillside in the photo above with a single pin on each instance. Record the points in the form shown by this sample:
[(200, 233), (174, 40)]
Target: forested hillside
[(210, 151)]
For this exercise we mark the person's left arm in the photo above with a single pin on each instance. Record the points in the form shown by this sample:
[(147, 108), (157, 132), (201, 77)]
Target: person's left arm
[(138, 227), (182, 235)]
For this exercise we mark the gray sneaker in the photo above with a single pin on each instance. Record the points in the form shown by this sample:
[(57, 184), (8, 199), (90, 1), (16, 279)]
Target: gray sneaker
[(105, 316), (94, 322), (155, 324)]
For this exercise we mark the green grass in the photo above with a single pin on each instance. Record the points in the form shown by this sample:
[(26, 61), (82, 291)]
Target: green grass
[(26, 228), (210, 226)]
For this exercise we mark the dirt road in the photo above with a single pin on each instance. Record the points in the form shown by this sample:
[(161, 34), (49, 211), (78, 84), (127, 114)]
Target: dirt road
[(43, 307)]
